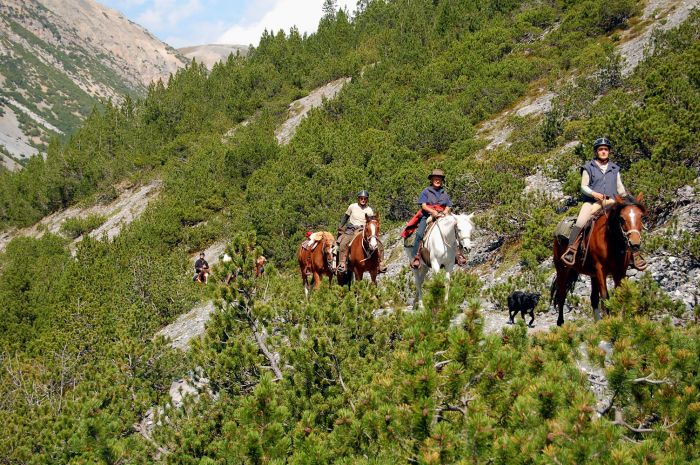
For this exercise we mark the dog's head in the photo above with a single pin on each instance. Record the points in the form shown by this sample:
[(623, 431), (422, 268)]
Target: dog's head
[(535, 297)]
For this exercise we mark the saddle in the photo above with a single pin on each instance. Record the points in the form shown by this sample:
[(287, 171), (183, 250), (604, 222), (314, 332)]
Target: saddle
[(305, 245), (424, 250)]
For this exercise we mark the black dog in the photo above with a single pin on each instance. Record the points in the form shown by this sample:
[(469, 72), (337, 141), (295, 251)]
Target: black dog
[(523, 302)]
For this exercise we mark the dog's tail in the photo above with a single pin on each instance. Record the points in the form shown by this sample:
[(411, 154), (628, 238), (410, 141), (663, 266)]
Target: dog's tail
[(570, 283)]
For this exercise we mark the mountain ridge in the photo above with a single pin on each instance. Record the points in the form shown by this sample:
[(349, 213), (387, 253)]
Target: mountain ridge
[(60, 58)]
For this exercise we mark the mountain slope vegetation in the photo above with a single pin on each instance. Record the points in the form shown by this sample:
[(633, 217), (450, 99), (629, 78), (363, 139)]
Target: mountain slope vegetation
[(80, 367)]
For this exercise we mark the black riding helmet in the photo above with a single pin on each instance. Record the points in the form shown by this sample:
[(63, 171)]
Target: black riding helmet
[(363, 193), (602, 141)]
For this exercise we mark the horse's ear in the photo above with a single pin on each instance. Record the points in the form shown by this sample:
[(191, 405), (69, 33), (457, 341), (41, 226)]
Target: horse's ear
[(366, 217), (639, 198), (618, 199), (471, 215)]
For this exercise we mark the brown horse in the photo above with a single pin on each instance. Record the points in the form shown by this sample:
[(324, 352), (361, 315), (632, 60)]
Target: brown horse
[(321, 261), (613, 236), (203, 276), (364, 251)]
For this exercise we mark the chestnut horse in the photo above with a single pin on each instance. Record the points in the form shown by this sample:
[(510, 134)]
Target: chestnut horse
[(364, 251), (611, 239), (321, 261)]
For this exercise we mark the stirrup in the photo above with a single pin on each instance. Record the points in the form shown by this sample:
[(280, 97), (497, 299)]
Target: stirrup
[(638, 262), (565, 257), (382, 268)]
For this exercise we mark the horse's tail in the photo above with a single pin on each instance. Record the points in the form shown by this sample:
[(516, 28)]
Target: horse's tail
[(572, 278)]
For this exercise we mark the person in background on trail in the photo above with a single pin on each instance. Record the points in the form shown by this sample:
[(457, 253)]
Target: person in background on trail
[(260, 266), (434, 203), (199, 265), (600, 182), (353, 221)]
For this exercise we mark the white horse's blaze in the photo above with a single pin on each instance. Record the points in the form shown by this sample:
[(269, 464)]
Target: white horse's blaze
[(443, 242), (373, 239)]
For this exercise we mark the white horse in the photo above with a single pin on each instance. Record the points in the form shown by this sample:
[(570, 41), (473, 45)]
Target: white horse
[(449, 233)]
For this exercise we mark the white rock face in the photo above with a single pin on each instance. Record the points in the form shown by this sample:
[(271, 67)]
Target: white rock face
[(300, 108)]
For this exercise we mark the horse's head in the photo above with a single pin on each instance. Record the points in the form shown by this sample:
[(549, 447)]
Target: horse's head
[(464, 227), (371, 233), (328, 249), (629, 212)]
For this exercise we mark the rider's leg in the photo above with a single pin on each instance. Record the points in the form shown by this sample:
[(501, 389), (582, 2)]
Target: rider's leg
[(420, 231), (343, 251), (587, 210)]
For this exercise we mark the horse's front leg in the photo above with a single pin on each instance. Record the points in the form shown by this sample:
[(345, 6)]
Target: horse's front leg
[(419, 277), (373, 275), (317, 280), (560, 292), (449, 269)]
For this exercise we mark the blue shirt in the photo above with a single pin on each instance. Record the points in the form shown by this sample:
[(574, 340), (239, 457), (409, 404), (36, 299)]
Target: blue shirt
[(433, 196)]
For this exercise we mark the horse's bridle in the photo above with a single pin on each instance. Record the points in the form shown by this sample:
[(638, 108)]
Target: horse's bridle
[(366, 239), (627, 233)]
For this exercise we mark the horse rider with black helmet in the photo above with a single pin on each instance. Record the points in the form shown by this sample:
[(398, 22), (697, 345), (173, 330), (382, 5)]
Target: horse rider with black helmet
[(352, 221), (434, 202), (600, 182)]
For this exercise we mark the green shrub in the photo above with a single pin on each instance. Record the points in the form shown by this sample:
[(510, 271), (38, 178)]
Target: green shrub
[(76, 227)]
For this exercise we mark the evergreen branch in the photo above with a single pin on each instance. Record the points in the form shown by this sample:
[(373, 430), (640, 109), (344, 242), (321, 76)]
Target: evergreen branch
[(439, 365), (647, 380), (620, 421), (161, 450), (340, 380)]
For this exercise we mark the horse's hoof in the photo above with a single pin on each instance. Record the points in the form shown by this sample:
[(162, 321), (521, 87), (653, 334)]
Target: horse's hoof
[(510, 322), (530, 326), (560, 322)]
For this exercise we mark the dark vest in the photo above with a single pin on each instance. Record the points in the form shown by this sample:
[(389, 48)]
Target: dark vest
[(604, 183)]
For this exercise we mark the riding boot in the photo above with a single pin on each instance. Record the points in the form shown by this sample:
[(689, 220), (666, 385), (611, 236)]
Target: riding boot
[(382, 266), (569, 257), (638, 261), (342, 259), (415, 264), (460, 260)]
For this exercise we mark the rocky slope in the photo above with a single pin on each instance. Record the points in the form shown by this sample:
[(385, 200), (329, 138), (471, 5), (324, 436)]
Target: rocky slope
[(210, 54), (58, 58)]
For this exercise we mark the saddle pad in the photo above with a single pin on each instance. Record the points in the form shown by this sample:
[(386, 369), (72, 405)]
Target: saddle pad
[(564, 229)]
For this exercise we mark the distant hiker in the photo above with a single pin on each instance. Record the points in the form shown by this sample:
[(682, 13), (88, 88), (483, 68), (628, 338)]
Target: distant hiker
[(600, 183), (260, 266), (434, 203), (352, 222), (201, 269)]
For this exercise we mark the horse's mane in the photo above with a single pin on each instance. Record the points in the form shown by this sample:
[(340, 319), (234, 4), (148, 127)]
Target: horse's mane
[(327, 237), (627, 201)]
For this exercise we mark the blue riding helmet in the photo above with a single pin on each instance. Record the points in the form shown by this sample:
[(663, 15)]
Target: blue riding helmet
[(602, 141)]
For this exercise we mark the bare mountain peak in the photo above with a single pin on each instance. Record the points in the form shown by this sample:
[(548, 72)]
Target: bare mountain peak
[(210, 54), (58, 58)]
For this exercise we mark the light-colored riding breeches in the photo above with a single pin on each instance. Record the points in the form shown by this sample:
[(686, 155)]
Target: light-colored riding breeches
[(588, 209)]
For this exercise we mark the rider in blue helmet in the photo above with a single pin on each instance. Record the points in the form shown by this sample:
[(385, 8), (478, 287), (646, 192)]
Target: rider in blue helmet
[(600, 183), (352, 221)]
